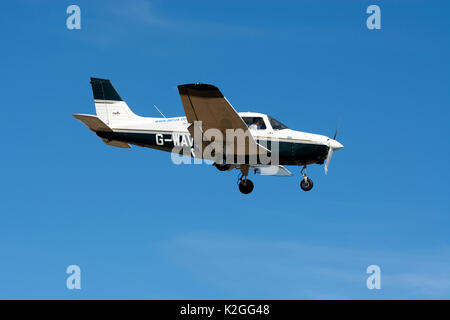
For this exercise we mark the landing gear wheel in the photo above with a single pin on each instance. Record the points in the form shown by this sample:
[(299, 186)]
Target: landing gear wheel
[(307, 184), (246, 186), (222, 167)]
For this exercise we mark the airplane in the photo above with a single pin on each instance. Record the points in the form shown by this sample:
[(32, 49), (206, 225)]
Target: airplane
[(204, 104)]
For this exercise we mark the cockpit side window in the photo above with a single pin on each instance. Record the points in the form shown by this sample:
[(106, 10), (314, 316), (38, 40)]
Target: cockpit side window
[(277, 125), (254, 123)]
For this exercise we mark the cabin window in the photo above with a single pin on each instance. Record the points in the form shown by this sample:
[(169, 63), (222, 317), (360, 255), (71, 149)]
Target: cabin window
[(276, 125), (254, 123)]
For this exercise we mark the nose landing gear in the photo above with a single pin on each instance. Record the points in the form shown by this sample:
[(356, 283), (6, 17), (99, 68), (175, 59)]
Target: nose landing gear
[(306, 184)]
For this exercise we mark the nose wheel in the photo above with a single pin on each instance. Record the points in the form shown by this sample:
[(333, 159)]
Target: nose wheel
[(306, 184)]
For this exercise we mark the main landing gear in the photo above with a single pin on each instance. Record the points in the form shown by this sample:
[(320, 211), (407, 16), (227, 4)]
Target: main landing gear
[(245, 185), (306, 184)]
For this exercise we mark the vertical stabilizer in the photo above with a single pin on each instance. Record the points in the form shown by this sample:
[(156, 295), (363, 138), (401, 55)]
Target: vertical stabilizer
[(110, 107)]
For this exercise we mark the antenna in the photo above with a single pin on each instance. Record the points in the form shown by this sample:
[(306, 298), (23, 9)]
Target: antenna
[(159, 111)]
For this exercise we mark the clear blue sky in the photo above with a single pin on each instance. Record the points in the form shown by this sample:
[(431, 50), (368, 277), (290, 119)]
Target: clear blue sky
[(142, 227)]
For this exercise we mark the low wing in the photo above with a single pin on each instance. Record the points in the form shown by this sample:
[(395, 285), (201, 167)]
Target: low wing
[(271, 171), (205, 103)]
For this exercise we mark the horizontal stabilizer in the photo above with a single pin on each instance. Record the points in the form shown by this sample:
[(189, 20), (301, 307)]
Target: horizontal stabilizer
[(93, 122), (116, 143), (97, 125)]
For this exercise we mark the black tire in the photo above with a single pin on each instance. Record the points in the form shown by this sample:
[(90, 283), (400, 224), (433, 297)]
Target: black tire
[(246, 186), (222, 167), (306, 185)]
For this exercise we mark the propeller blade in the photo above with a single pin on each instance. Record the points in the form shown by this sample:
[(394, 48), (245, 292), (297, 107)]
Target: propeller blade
[(330, 154), (333, 145), (337, 129)]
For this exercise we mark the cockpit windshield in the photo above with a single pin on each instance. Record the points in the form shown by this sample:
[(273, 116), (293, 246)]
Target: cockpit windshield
[(276, 125), (254, 123)]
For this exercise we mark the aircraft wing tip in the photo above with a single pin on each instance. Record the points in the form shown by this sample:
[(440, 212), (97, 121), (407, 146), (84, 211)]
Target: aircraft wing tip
[(200, 90)]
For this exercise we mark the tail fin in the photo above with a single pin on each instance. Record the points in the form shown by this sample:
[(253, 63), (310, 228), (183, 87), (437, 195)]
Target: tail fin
[(110, 107)]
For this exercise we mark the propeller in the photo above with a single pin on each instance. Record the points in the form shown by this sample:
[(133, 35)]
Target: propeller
[(337, 129), (333, 145), (330, 154)]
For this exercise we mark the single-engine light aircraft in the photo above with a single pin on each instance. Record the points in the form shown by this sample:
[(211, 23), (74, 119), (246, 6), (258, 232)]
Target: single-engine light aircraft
[(267, 144)]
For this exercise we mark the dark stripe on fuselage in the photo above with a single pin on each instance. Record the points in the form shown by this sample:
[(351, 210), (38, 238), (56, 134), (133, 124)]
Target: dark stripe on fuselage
[(290, 153)]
